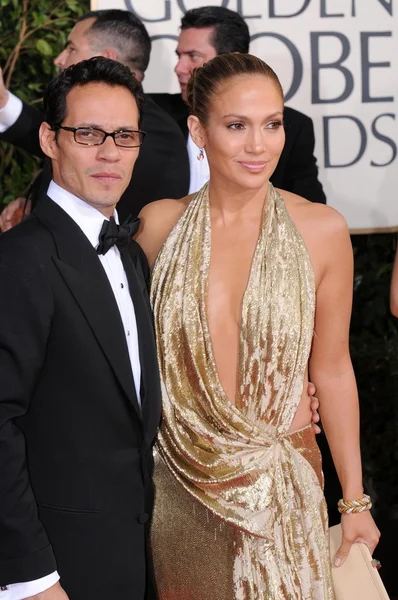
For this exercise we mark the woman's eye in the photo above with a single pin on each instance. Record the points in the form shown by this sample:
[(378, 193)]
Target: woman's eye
[(236, 126), (275, 125)]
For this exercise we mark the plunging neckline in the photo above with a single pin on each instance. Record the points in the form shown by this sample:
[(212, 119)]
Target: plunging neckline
[(207, 249)]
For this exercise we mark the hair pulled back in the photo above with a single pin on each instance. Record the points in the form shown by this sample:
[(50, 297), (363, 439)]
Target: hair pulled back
[(205, 81)]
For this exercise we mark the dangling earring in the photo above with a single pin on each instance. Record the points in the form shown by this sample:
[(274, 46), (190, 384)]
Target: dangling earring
[(201, 154)]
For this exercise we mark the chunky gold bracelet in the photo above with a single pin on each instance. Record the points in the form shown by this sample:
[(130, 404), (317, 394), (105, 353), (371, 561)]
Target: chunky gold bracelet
[(354, 506)]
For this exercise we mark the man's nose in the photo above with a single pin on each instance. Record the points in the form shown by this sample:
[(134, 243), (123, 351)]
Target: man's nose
[(182, 67), (60, 60), (108, 150)]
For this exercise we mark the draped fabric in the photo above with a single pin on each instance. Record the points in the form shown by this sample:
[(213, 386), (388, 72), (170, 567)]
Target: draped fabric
[(238, 460)]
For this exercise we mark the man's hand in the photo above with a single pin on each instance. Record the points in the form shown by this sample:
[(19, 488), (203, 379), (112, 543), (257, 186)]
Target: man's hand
[(3, 91), (314, 406), (55, 592), (13, 213)]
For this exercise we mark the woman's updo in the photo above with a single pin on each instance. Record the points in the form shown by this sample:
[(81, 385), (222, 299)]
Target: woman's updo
[(206, 80)]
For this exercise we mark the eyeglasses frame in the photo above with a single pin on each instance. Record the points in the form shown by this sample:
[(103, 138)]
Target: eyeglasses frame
[(106, 134)]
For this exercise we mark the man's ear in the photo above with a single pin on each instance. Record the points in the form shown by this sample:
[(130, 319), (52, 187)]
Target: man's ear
[(109, 53), (197, 131), (48, 142)]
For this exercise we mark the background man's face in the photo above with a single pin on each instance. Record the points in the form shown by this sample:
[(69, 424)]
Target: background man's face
[(77, 47), (193, 50)]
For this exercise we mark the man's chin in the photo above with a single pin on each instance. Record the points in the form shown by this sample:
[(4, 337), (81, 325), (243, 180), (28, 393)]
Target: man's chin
[(104, 202), (183, 89)]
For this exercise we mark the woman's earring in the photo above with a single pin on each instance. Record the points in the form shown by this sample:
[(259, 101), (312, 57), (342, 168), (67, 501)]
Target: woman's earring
[(201, 154)]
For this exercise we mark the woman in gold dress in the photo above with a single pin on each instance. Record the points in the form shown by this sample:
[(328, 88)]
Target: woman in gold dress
[(251, 292)]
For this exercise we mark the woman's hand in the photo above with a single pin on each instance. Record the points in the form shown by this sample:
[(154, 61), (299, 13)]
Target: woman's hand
[(311, 390), (358, 527)]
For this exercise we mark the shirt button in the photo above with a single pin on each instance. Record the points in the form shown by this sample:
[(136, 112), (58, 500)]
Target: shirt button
[(143, 518), (121, 285), (128, 333)]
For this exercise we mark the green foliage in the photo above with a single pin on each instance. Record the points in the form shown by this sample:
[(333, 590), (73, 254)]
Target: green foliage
[(374, 351), (32, 34)]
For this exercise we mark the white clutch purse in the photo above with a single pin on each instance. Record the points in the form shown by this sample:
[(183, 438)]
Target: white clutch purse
[(357, 578)]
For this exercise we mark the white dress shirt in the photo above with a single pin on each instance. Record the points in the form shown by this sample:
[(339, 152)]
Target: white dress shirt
[(199, 169), (9, 114), (90, 222)]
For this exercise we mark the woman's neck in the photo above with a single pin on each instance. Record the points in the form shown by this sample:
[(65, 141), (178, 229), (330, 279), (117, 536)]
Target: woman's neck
[(229, 202)]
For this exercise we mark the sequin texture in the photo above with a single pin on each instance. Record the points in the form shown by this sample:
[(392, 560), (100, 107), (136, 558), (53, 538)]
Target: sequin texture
[(249, 492)]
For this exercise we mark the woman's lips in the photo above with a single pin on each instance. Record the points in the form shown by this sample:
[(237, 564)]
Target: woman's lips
[(253, 167)]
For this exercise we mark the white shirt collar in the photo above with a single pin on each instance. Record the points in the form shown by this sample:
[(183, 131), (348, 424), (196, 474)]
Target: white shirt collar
[(88, 218)]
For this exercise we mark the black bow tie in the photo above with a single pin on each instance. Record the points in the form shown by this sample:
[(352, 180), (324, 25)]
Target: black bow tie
[(120, 235)]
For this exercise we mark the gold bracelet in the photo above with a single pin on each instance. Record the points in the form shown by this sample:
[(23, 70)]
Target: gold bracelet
[(348, 507)]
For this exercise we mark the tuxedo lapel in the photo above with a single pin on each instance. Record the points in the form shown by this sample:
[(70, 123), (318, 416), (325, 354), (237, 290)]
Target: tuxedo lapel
[(87, 281), (146, 336)]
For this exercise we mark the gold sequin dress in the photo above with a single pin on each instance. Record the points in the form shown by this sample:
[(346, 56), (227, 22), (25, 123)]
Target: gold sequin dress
[(239, 508)]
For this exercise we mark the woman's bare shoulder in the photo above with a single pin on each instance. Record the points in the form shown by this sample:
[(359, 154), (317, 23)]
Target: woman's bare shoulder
[(314, 217), (157, 220), (323, 229)]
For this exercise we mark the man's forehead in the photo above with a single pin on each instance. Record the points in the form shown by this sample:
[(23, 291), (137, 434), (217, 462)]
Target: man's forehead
[(90, 103), (80, 29), (194, 38)]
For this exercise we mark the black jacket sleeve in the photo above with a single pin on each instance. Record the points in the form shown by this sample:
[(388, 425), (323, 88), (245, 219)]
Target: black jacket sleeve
[(25, 317), (300, 169), (140, 262), (25, 131)]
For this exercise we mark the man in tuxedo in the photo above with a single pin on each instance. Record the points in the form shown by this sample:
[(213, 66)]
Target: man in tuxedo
[(162, 169), (79, 393), (211, 30)]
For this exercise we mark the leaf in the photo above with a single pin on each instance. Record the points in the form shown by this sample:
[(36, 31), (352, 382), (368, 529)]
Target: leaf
[(44, 47), (73, 5)]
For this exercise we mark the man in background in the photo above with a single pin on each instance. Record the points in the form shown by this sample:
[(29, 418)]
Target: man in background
[(205, 33), (162, 169)]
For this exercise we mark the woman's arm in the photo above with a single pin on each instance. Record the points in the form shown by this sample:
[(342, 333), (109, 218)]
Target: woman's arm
[(394, 287), (332, 373), (157, 220)]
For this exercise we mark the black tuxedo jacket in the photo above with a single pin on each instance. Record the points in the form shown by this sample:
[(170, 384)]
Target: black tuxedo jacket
[(75, 446), (161, 170), (296, 171)]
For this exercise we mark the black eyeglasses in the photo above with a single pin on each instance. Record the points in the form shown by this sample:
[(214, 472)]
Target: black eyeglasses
[(90, 136)]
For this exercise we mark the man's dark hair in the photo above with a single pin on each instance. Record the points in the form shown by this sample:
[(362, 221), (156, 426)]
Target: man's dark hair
[(123, 31), (231, 34), (95, 70)]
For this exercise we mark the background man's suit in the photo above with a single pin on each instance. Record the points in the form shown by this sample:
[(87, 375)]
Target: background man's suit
[(161, 170), (296, 171), (79, 500)]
